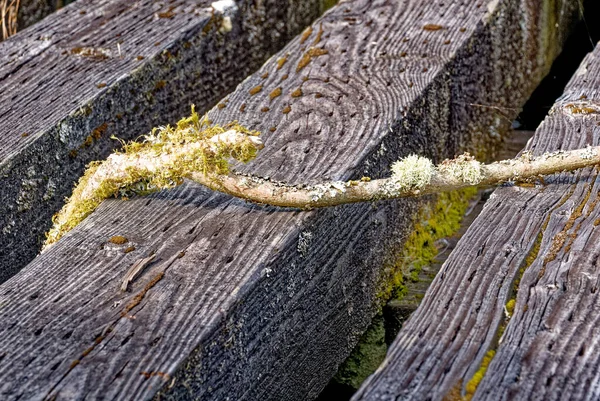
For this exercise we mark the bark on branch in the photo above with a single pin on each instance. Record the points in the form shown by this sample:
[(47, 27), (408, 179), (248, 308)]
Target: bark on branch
[(454, 174)]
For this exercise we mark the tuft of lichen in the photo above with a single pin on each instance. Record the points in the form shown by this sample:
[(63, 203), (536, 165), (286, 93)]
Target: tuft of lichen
[(464, 169), (161, 161), (589, 153), (411, 173)]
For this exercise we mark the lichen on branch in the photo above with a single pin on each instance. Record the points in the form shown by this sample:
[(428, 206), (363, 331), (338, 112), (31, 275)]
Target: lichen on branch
[(197, 150), (412, 172), (162, 160)]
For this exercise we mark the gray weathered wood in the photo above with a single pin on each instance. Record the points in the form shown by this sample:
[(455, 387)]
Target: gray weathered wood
[(100, 68), (549, 348), (258, 303)]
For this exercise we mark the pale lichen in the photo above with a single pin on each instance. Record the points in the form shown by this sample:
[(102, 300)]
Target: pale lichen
[(464, 169), (589, 153), (304, 241), (330, 190), (226, 25), (165, 157), (224, 5), (411, 173)]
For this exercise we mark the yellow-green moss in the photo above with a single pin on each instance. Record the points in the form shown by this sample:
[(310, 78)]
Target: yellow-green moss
[(472, 385), (161, 141), (327, 4), (435, 220), (365, 357), (510, 306)]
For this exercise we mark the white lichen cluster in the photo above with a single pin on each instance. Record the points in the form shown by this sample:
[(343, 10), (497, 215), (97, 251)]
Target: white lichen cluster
[(412, 172), (464, 169), (223, 7), (589, 153), (330, 190), (304, 241)]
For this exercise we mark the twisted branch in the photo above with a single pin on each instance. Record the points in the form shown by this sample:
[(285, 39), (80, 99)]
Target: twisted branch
[(450, 175), (200, 152)]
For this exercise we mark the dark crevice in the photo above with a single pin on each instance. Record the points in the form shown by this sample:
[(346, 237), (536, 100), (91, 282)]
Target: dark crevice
[(582, 41)]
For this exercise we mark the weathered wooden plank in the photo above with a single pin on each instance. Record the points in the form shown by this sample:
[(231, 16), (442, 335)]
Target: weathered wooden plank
[(249, 302), (415, 258), (541, 243), (98, 68)]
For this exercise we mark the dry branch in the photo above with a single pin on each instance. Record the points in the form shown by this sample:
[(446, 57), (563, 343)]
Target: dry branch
[(9, 10), (450, 175), (199, 152)]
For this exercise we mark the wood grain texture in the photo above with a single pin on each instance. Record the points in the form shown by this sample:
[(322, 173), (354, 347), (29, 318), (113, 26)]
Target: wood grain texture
[(257, 303), (100, 68), (549, 348)]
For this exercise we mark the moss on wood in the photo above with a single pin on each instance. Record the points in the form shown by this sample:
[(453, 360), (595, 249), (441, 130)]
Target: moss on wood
[(437, 219), (366, 356), (140, 180)]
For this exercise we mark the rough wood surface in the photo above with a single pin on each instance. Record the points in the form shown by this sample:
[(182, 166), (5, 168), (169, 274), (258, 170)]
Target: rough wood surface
[(257, 303), (542, 242), (100, 68)]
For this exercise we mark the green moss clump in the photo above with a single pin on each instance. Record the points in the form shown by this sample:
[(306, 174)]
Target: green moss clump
[(472, 385), (327, 4), (510, 306), (366, 356), (163, 148), (435, 220)]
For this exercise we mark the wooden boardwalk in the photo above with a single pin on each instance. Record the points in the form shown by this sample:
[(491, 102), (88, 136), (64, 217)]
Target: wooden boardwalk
[(98, 68), (257, 303), (521, 287)]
